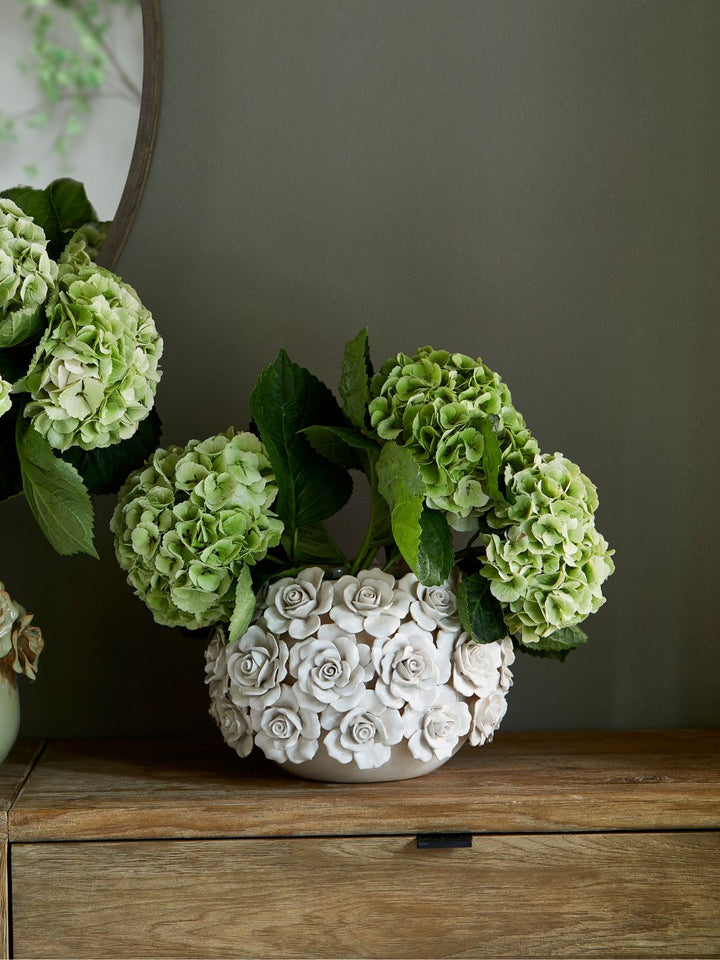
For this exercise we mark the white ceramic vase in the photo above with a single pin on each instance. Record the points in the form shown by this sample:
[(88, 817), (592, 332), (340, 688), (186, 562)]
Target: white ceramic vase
[(362, 678), (9, 714)]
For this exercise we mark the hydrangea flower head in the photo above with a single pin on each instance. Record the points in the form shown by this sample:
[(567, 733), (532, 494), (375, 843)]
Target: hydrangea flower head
[(547, 563), (188, 522), (95, 371), (437, 403), (27, 274)]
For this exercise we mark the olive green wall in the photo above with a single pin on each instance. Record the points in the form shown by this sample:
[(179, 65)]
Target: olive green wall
[(532, 181)]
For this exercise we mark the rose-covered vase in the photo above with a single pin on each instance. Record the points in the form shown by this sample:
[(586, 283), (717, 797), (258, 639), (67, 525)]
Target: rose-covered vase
[(355, 679), (20, 645), (9, 714)]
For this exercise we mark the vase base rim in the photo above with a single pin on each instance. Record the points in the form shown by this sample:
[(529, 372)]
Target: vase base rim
[(402, 765)]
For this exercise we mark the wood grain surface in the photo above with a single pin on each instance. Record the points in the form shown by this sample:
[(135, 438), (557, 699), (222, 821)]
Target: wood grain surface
[(13, 773), (527, 783), (577, 895)]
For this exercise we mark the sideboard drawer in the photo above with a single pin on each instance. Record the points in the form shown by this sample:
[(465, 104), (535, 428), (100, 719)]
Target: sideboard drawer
[(583, 895)]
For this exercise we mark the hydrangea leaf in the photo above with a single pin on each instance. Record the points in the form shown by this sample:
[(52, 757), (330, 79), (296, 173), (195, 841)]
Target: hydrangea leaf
[(354, 387), (244, 605), (435, 554), (480, 613), (104, 470), (56, 495), (343, 445), (556, 645), (21, 327), (492, 461), (312, 545), (70, 203), (286, 399), (401, 485)]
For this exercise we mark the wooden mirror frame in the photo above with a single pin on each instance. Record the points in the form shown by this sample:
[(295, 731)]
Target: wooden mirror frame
[(145, 139)]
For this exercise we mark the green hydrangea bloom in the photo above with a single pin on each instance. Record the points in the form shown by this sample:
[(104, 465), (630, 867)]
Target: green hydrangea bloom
[(84, 246), (436, 403), (188, 522), (5, 399), (95, 371), (547, 563), (27, 274)]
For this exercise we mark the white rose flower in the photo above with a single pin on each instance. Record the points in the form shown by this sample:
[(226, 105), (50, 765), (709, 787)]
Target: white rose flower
[(409, 668), (256, 664), (435, 732), (286, 731), (476, 667), (294, 604), (234, 723), (364, 734), (330, 668), (486, 716), (508, 658), (216, 674), (435, 606), (373, 601)]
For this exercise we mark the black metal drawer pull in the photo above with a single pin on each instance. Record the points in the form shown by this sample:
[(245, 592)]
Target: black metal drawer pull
[(439, 841)]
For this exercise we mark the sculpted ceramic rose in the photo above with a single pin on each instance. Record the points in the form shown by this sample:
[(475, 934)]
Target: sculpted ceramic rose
[(8, 616), (476, 667), (435, 606), (285, 730), (364, 734), (256, 665), (330, 668), (216, 674), (508, 658), (294, 604), (409, 668), (486, 716), (436, 732), (373, 601), (234, 724)]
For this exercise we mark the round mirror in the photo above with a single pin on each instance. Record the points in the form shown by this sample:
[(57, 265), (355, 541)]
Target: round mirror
[(85, 81)]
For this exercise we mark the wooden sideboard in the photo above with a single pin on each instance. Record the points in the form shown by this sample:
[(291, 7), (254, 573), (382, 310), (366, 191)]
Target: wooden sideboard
[(538, 845)]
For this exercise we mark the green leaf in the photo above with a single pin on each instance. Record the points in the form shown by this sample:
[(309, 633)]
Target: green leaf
[(70, 203), (492, 461), (244, 605), (56, 495), (20, 328), (286, 399), (105, 470), (479, 611), (401, 485), (436, 554), (313, 545), (355, 379), (557, 645), (343, 445)]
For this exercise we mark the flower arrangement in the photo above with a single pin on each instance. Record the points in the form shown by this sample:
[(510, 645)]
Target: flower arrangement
[(79, 360), (477, 545)]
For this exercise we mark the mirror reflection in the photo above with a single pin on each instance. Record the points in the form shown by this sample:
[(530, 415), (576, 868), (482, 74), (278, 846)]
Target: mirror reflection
[(72, 98)]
